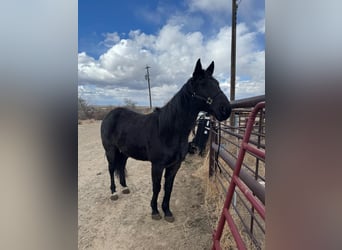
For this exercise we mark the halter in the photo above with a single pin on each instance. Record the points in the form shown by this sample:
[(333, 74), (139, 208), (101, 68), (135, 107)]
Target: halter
[(209, 100)]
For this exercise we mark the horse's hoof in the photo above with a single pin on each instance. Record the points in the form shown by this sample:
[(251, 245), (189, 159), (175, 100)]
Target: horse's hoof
[(126, 190), (114, 196), (169, 218), (156, 216)]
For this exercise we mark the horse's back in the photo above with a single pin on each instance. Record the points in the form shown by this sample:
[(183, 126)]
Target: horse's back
[(125, 118)]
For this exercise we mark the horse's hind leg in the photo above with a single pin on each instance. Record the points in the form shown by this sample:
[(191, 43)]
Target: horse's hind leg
[(121, 161), (114, 195), (110, 154)]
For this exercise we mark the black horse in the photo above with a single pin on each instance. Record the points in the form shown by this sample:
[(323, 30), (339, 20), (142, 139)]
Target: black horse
[(161, 137)]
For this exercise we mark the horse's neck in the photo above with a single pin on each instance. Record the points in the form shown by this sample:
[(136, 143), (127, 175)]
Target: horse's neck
[(181, 115), (188, 117)]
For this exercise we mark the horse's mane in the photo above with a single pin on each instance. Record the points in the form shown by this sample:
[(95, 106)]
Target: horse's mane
[(172, 115)]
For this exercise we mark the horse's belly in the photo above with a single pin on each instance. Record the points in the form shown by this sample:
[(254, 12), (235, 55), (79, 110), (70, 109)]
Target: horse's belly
[(129, 144), (138, 153)]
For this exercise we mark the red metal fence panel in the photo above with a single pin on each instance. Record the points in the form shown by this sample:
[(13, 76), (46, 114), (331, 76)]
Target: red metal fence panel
[(248, 186)]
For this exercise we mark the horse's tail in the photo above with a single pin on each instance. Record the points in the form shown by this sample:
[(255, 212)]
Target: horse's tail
[(116, 160), (121, 170)]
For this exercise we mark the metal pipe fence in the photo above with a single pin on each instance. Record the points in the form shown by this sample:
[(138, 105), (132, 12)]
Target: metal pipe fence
[(235, 160)]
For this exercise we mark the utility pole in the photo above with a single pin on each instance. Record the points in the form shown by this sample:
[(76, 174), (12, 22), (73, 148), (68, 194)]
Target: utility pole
[(147, 77), (233, 59)]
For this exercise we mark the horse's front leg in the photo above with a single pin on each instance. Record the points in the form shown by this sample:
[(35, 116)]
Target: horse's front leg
[(157, 172), (170, 174)]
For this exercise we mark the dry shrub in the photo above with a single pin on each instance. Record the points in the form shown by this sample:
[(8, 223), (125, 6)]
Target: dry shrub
[(214, 203)]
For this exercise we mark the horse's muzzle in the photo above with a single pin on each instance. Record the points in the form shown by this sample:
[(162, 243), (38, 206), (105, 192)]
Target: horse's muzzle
[(224, 112)]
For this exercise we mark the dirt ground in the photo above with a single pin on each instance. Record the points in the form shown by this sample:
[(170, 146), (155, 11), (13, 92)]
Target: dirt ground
[(126, 223)]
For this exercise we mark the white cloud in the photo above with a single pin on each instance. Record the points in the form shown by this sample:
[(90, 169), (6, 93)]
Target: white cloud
[(90, 70), (209, 5), (187, 21), (260, 26), (171, 54), (110, 39)]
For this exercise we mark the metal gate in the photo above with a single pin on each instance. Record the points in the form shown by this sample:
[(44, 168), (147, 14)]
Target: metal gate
[(247, 134)]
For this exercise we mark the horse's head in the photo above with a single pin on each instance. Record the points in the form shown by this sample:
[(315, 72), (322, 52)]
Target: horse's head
[(206, 92)]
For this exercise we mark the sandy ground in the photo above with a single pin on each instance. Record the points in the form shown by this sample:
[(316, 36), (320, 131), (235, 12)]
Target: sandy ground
[(126, 223)]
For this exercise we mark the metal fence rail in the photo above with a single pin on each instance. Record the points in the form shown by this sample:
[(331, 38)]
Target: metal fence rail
[(237, 159)]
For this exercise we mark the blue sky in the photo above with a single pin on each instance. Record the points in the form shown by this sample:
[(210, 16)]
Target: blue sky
[(117, 39)]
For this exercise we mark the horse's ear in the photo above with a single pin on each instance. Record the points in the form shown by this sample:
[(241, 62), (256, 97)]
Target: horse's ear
[(210, 69), (198, 69)]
